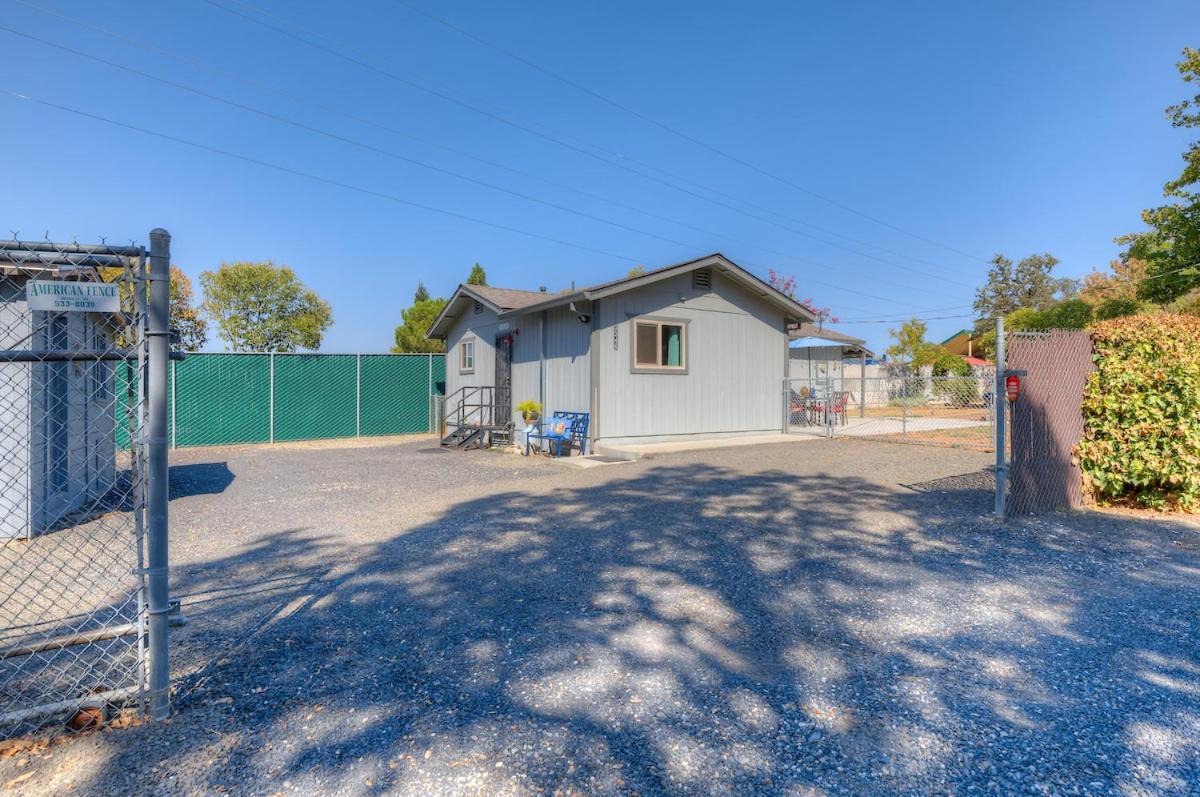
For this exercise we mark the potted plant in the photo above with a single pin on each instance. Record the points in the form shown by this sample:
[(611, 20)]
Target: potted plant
[(530, 410)]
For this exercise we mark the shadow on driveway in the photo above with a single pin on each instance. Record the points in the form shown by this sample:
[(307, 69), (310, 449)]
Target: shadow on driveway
[(690, 629)]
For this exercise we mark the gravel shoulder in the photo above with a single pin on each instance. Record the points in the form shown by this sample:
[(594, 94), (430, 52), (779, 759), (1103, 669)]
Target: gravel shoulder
[(838, 617)]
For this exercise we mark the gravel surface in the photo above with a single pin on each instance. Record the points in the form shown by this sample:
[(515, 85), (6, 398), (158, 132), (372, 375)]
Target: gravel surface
[(832, 617)]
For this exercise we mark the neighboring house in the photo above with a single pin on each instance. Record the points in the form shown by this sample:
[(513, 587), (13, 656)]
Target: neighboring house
[(818, 352), (965, 344), (698, 349), (58, 417)]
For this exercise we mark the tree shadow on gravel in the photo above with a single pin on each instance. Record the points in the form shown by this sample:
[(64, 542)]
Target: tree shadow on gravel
[(690, 629)]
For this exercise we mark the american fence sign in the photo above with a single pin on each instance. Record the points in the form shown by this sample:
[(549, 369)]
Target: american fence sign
[(60, 296)]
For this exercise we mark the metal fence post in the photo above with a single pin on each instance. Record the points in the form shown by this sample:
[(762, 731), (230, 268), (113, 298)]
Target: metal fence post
[(787, 409), (429, 394), (271, 395), (997, 398), (158, 602), (862, 389), (358, 395)]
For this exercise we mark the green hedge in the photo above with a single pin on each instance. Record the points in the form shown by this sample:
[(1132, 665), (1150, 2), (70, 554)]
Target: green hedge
[(1141, 412)]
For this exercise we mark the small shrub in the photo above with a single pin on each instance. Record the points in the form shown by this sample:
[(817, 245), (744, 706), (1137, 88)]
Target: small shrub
[(1141, 410), (529, 407)]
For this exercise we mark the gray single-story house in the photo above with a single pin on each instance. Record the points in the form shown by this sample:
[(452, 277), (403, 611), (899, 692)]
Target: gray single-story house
[(694, 350), (58, 418), (818, 352)]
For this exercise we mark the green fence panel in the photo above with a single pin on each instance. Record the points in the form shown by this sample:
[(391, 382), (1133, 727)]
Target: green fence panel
[(222, 399), (395, 394), (125, 396), (439, 375), (314, 396)]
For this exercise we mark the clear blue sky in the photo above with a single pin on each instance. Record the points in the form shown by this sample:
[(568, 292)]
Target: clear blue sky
[(1013, 127)]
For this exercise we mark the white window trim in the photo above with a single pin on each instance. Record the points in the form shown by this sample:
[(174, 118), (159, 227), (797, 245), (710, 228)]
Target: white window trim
[(639, 368), (462, 350)]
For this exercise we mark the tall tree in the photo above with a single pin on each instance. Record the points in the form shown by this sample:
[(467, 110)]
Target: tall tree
[(264, 307), (1121, 282), (422, 295), (415, 322), (186, 319), (1030, 283), (183, 317), (911, 346), (477, 276), (1172, 244)]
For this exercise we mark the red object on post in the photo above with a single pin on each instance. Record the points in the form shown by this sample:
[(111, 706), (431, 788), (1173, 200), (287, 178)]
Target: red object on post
[(1012, 388)]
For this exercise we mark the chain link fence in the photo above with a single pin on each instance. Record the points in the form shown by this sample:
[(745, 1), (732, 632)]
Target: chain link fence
[(226, 399), (1046, 420), (951, 411), (79, 627)]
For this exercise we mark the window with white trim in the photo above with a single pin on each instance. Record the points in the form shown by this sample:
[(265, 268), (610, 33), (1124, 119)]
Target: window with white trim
[(466, 356), (659, 345)]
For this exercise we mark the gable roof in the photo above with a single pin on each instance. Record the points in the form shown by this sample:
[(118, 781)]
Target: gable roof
[(505, 298), (961, 342), (521, 302)]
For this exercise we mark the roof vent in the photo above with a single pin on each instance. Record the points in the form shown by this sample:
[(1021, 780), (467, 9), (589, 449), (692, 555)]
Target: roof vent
[(478, 307), (702, 279)]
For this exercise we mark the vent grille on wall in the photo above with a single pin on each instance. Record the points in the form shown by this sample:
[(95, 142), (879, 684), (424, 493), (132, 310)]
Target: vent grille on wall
[(702, 279)]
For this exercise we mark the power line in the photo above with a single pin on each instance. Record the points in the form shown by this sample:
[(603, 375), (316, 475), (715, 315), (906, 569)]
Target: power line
[(237, 78), (310, 176), (679, 133), (705, 194), (329, 181), (388, 153)]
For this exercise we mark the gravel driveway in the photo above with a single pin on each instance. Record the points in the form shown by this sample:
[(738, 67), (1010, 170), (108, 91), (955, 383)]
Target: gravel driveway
[(829, 617)]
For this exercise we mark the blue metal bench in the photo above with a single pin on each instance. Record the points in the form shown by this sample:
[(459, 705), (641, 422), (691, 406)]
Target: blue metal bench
[(563, 427)]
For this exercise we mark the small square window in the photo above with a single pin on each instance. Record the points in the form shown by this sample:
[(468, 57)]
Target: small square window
[(659, 346), (466, 356)]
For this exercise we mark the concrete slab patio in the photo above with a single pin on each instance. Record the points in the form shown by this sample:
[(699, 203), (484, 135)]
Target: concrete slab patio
[(839, 617)]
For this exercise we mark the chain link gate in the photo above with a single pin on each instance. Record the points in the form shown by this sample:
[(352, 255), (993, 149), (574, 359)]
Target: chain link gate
[(955, 411), (83, 470)]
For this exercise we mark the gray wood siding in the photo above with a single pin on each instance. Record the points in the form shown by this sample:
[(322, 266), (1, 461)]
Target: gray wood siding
[(736, 361), (526, 378), (483, 326), (567, 362)]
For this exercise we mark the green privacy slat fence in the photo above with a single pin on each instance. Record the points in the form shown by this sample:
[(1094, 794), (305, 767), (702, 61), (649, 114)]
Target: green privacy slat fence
[(223, 399), (314, 396)]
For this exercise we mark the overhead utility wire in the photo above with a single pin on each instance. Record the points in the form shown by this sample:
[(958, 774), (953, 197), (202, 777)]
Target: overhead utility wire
[(498, 117), (882, 321), (321, 179), (310, 176), (387, 153), (674, 131), (208, 67)]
